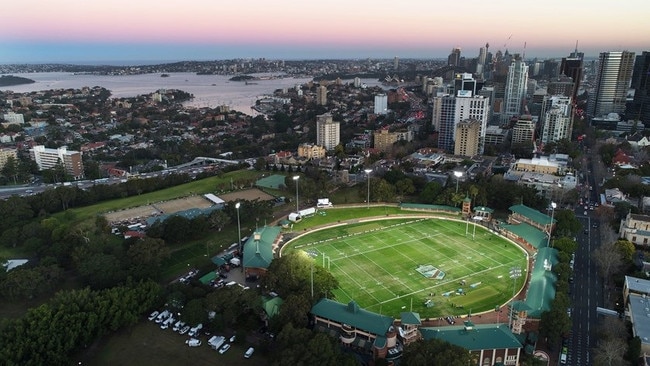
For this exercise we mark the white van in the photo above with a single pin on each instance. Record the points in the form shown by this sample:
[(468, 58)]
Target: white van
[(193, 342), (162, 316), (194, 331), (249, 352), (167, 323)]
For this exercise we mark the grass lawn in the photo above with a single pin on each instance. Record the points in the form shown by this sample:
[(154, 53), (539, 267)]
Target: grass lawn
[(375, 264), (202, 186), (147, 344)]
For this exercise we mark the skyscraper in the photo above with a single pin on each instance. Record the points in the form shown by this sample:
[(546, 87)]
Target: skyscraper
[(448, 111), (454, 57), (47, 158), (614, 73), (516, 86), (524, 131), (328, 132), (639, 109), (572, 67)]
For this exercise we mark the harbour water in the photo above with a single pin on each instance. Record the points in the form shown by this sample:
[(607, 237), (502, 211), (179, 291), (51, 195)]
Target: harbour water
[(208, 90)]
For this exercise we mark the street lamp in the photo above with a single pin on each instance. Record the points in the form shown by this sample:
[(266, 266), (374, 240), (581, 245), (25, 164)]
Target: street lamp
[(237, 205), (457, 174), (515, 272), (296, 177), (368, 171), (550, 228)]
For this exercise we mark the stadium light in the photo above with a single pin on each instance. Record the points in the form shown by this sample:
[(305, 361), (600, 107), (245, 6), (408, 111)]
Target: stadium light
[(550, 229), (458, 175), (368, 171), (237, 205), (515, 272), (296, 177)]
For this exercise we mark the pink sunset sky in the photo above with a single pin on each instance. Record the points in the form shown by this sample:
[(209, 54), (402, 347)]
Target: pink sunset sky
[(77, 30)]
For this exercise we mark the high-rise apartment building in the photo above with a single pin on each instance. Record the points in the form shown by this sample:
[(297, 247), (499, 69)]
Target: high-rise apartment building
[(321, 95), (6, 153), (639, 109), (515, 90), (613, 76), (47, 158), (448, 111), (524, 131), (328, 132), (557, 118), (467, 138), (381, 104)]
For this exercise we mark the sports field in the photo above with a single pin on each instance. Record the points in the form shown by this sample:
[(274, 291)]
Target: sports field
[(429, 266)]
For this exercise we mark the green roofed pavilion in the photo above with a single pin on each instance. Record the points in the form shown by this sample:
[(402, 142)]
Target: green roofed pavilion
[(535, 217), (271, 305), (532, 235), (541, 287), (410, 318), (352, 315), (475, 338)]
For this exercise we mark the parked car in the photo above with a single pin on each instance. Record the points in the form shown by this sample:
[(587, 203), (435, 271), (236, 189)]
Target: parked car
[(153, 315), (193, 342), (162, 316), (178, 326), (184, 330), (225, 348), (249, 352)]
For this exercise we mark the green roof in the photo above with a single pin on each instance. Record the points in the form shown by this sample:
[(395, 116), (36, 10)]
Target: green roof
[(208, 277), (541, 287), (220, 260), (352, 315), (410, 318), (481, 336), (271, 305), (532, 214), (467, 199), (259, 254), (272, 181), (531, 234), (422, 206)]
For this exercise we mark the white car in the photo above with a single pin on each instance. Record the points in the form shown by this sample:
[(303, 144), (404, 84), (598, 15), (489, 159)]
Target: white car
[(178, 326), (153, 315), (193, 342), (225, 347), (184, 330)]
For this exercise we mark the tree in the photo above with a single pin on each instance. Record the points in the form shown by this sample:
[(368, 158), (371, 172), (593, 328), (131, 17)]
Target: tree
[(430, 192), (146, 256), (566, 245), (608, 259), (218, 219), (100, 270), (194, 312), (610, 352), (434, 352), (626, 249), (10, 169), (567, 223)]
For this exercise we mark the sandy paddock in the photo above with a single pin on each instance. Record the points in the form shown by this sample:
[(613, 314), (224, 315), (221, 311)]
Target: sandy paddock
[(183, 204), (248, 195), (167, 207), (129, 214)]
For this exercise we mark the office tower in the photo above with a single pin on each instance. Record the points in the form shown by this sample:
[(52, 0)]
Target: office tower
[(396, 63), (482, 54), (524, 131), (321, 95), (557, 118), (47, 158), (357, 82), (467, 138), (454, 57), (563, 85), (328, 132), (465, 85), (515, 91), (572, 67), (613, 76), (639, 109), (381, 104)]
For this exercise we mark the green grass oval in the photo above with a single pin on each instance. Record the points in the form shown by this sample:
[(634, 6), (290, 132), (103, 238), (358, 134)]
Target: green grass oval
[(376, 265)]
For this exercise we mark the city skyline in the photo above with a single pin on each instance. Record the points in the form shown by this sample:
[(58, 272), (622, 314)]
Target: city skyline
[(35, 31)]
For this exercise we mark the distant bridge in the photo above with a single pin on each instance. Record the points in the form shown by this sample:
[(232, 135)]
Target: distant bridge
[(445, 69), (201, 161)]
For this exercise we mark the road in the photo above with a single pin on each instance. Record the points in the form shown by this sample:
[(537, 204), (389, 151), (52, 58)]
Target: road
[(586, 290)]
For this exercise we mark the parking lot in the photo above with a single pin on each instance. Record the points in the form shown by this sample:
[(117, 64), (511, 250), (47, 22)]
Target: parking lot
[(147, 344)]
